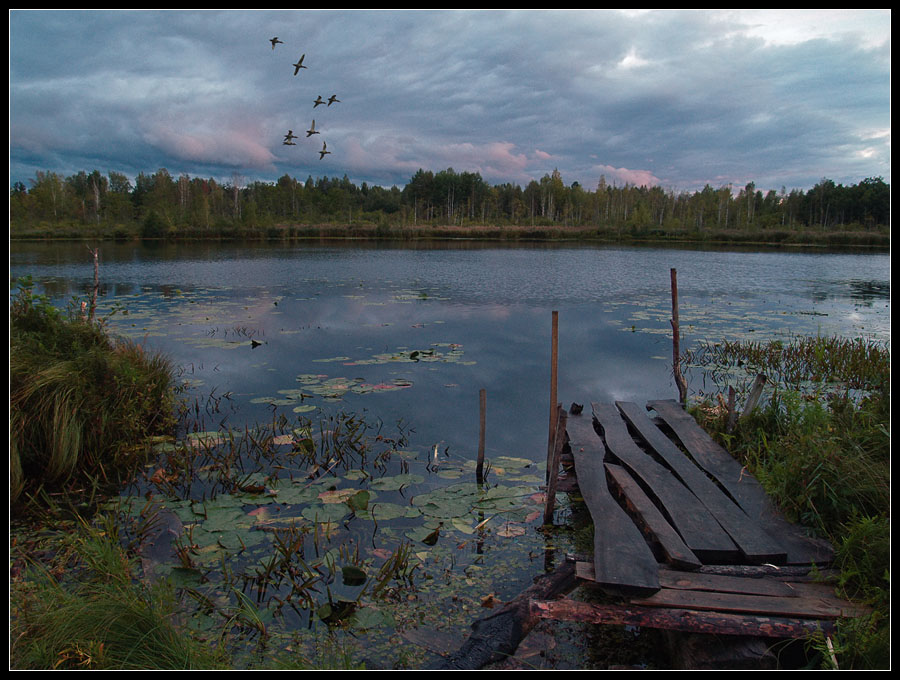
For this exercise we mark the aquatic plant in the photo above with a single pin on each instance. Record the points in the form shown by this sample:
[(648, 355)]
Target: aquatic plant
[(800, 363)]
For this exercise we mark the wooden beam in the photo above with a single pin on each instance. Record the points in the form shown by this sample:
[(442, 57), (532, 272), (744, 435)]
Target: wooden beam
[(755, 544), (680, 580), (746, 491), (760, 605), (651, 521), (684, 620), (553, 477), (622, 558), (554, 361), (696, 526)]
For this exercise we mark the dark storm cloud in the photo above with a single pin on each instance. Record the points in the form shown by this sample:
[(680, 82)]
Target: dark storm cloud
[(678, 99)]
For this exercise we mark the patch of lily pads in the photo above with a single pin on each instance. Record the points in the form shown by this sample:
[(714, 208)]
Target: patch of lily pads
[(240, 537), (333, 388)]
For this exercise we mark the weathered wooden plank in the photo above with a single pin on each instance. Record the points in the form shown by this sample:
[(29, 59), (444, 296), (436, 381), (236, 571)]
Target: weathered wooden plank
[(756, 545), (802, 607), (741, 485), (826, 593), (684, 620), (696, 526), (794, 572), (651, 521), (682, 580), (622, 557)]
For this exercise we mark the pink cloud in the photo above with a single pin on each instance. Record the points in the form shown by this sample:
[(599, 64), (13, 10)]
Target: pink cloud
[(624, 175), (238, 145)]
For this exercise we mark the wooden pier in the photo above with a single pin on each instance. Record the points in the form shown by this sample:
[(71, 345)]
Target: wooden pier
[(685, 541), (684, 535)]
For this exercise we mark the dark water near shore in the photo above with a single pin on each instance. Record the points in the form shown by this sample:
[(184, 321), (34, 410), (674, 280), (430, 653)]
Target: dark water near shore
[(408, 335)]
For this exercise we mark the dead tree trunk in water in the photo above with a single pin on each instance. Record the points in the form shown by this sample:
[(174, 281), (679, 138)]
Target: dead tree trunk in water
[(497, 636)]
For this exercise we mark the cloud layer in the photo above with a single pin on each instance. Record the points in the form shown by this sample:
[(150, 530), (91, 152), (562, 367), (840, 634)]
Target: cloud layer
[(675, 98)]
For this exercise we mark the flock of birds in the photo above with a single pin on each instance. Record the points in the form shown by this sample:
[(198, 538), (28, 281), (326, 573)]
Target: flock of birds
[(290, 136)]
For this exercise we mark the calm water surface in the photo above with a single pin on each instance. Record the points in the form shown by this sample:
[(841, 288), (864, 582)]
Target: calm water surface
[(408, 336), (330, 310)]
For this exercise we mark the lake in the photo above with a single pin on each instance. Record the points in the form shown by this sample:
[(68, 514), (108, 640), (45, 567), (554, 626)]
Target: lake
[(485, 310), (405, 337)]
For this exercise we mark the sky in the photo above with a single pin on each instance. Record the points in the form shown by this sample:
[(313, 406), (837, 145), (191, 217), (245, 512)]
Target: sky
[(674, 98)]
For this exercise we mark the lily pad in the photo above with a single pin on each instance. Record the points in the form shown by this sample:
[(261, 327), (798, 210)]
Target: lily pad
[(371, 617), (381, 512), (396, 482), (332, 512)]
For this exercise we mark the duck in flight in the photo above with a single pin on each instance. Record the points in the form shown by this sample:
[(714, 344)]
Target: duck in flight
[(323, 151), (312, 129), (299, 65), (289, 137), (275, 41), (318, 101), (332, 99)]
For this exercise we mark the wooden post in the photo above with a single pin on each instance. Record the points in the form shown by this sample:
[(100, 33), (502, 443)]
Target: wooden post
[(559, 442), (479, 468), (676, 350), (755, 394), (732, 413), (554, 357)]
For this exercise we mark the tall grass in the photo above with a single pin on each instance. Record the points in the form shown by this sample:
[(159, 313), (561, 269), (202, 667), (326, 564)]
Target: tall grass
[(86, 612), (823, 455), (79, 400)]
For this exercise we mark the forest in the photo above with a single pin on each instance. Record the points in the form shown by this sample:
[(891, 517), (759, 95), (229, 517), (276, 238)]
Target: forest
[(160, 205)]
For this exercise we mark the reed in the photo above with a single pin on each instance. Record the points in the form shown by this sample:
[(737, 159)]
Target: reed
[(820, 446)]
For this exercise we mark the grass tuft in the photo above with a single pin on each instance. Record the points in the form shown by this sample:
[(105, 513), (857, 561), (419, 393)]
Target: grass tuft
[(79, 399)]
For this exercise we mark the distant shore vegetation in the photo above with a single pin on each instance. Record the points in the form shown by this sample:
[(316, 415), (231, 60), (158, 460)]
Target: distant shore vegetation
[(446, 204)]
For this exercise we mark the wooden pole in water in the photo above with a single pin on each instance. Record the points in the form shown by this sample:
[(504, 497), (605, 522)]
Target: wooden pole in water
[(479, 468), (554, 358), (676, 350), (558, 443)]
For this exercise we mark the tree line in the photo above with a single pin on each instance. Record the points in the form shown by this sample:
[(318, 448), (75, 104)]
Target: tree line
[(160, 204)]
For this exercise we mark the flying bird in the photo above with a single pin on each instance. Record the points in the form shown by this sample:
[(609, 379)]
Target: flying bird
[(333, 98), (323, 151), (289, 137), (275, 41), (299, 65), (318, 101), (312, 129)]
